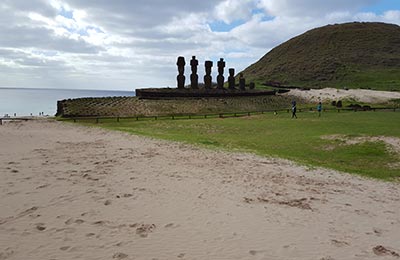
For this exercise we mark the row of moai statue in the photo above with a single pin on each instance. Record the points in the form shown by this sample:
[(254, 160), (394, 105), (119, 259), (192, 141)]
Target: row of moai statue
[(194, 78)]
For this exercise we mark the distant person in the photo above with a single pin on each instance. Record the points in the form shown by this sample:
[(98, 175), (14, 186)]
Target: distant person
[(319, 109), (294, 109)]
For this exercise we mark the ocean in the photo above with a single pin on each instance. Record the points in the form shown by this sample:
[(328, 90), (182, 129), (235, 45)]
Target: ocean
[(34, 101)]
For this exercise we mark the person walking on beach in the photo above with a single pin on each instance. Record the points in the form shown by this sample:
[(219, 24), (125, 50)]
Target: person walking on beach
[(319, 109), (294, 109)]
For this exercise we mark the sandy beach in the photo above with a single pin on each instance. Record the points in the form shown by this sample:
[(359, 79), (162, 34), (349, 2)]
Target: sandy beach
[(72, 192)]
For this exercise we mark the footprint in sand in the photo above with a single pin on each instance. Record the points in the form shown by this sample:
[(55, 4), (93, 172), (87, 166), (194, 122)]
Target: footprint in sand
[(79, 221), (144, 229), (362, 212), (255, 252), (90, 178), (13, 163), (42, 186), (382, 251), (69, 221), (72, 220), (68, 230), (40, 226), (120, 256), (339, 243), (171, 225), (378, 231), (101, 223)]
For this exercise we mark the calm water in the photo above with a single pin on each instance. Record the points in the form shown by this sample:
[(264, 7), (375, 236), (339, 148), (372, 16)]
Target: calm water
[(23, 101)]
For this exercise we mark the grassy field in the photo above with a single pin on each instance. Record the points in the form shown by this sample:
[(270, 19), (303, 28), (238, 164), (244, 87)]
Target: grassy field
[(328, 141)]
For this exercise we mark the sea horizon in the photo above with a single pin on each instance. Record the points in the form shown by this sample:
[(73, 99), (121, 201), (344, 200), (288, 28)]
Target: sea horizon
[(25, 101), (78, 89)]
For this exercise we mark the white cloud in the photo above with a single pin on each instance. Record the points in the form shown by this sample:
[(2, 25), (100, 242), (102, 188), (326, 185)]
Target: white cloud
[(392, 16), (231, 10), (126, 44), (311, 7)]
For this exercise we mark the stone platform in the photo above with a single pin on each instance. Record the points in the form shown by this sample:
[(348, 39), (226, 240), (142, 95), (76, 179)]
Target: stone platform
[(159, 93)]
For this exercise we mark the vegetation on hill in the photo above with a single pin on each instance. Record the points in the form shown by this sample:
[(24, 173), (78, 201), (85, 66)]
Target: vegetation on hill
[(351, 55)]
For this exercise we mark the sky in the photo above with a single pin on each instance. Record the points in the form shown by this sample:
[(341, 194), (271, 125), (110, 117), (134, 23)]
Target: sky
[(124, 45)]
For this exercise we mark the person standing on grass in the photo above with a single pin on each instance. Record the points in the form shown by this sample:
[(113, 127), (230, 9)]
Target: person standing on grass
[(319, 109), (294, 109)]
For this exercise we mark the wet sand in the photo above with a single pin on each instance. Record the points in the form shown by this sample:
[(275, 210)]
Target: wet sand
[(72, 192)]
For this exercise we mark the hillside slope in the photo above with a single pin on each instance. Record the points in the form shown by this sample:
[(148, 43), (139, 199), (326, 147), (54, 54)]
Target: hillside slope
[(353, 55)]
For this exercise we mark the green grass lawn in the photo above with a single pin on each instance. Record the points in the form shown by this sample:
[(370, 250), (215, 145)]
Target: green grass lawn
[(299, 139)]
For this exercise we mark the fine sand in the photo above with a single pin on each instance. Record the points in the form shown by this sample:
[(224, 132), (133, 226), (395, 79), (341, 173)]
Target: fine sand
[(71, 192), (358, 95)]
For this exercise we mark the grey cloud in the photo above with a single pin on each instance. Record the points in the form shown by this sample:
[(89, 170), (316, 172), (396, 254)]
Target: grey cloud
[(23, 59), (127, 17), (168, 46), (39, 6), (42, 38), (18, 31)]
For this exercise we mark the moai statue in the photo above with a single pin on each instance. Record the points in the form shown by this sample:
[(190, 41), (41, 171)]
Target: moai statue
[(242, 82), (181, 70), (220, 77), (207, 78), (252, 85), (231, 78), (194, 78)]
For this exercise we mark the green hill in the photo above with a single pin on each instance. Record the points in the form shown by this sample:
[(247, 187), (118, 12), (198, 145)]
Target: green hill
[(352, 55)]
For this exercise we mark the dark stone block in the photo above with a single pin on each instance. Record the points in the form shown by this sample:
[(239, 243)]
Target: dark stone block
[(194, 78), (181, 70), (231, 78), (220, 77), (208, 78), (242, 82)]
